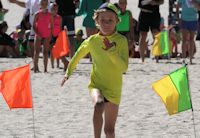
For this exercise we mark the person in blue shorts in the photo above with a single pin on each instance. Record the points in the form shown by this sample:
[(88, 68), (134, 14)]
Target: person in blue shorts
[(189, 26)]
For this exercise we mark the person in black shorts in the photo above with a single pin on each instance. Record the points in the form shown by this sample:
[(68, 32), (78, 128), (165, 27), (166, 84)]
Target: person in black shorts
[(149, 18), (66, 9)]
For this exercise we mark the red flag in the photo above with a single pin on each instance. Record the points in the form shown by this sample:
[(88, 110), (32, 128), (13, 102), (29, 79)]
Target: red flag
[(61, 47), (16, 87)]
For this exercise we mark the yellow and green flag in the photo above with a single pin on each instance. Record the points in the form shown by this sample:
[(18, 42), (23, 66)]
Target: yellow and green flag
[(161, 45), (173, 89)]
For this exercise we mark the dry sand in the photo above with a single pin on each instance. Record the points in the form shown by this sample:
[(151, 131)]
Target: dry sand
[(67, 112)]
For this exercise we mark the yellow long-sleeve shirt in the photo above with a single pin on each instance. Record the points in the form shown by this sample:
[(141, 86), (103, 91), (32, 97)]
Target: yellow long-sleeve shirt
[(108, 66)]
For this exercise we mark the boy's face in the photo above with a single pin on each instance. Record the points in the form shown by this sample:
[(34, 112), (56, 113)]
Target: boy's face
[(107, 21)]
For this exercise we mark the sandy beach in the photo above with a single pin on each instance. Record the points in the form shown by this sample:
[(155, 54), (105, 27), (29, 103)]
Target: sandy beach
[(66, 112)]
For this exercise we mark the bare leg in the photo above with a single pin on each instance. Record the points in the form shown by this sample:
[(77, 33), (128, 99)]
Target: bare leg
[(52, 59), (58, 62), (65, 62), (111, 112), (37, 45), (191, 46), (31, 45), (143, 44), (185, 42), (45, 52), (98, 119)]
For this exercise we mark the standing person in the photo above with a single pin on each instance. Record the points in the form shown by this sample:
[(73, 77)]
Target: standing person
[(43, 28), (149, 18), (109, 52), (78, 39), (57, 29), (87, 8), (66, 9), (189, 26), (125, 26), (32, 6)]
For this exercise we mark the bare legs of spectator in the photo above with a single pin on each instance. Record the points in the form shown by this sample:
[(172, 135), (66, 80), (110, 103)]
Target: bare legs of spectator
[(45, 52), (65, 62), (31, 45), (37, 48), (188, 44), (142, 44)]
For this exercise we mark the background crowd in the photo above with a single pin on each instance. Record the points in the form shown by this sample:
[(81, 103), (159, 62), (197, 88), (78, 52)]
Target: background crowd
[(23, 41)]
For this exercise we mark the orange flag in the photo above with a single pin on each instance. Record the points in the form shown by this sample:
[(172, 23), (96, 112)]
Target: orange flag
[(61, 47), (15, 87)]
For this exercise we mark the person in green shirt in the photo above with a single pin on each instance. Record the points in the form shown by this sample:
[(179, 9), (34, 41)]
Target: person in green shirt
[(109, 52), (126, 26)]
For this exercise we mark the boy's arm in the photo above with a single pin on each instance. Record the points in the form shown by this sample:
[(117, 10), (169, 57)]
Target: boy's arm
[(81, 52)]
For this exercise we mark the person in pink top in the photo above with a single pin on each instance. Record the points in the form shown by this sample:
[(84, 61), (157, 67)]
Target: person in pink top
[(43, 27), (57, 23)]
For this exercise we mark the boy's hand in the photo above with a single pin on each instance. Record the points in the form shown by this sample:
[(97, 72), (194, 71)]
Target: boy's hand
[(108, 44), (63, 81)]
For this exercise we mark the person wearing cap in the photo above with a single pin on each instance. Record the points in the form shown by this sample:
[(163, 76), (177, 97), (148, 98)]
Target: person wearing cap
[(149, 18), (78, 39), (109, 52), (125, 26)]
